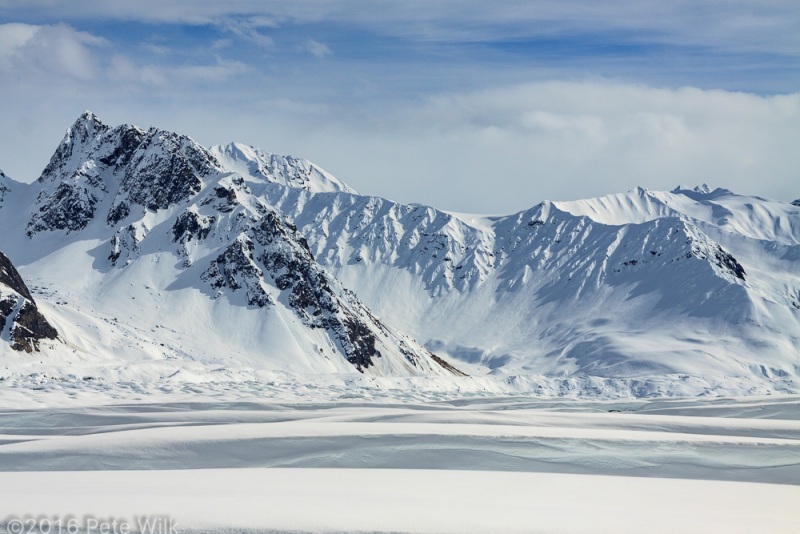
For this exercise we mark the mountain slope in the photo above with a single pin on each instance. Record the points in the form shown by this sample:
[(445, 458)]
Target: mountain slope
[(555, 290), (283, 267), (691, 282), (155, 211)]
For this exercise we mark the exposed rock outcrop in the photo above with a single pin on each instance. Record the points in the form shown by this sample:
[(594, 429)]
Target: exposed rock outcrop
[(21, 323)]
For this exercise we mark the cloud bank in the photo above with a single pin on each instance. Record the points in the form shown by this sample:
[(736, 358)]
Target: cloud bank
[(510, 147), (485, 111)]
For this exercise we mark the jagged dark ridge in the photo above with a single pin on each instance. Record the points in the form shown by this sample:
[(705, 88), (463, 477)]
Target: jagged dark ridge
[(28, 325)]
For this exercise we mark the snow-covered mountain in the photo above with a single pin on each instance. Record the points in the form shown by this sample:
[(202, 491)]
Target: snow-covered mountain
[(151, 251), (147, 230), (691, 282)]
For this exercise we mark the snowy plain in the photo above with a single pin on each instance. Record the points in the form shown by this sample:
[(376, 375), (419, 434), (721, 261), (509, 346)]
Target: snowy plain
[(405, 462)]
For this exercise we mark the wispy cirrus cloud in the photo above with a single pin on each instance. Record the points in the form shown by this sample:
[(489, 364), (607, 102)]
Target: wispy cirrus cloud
[(766, 26), (736, 44), (249, 29), (316, 49)]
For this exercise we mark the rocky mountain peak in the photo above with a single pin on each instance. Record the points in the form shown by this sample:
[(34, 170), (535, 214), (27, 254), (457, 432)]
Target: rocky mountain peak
[(163, 170), (79, 139), (88, 124), (135, 170)]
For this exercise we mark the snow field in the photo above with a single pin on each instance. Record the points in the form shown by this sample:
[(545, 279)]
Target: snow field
[(459, 465)]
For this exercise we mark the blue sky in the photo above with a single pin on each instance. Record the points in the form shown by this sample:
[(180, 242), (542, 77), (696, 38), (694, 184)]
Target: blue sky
[(470, 106)]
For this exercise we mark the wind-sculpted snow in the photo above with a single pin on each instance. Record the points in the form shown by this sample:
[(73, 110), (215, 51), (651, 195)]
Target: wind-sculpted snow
[(247, 256), (594, 255), (257, 463)]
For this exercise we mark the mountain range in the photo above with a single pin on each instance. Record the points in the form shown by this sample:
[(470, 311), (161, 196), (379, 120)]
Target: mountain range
[(152, 257)]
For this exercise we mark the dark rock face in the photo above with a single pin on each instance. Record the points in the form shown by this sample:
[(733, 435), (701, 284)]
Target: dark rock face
[(165, 170), (447, 366), (128, 140), (9, 277), (725, 260), (70, 207), (227, 199), (17, 307), (125, 241), (3, 189), (117, 213), (30, 327), (796, 202), (312, 296), (190, 225), (153, 170), (273, 248), (235, 269)]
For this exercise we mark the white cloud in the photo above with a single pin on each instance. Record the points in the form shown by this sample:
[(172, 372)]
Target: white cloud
[(491, 151), (13, 37), (316, 49), (49, 50), (507, 148), (219, 44), (155, 49), (122, 69)]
